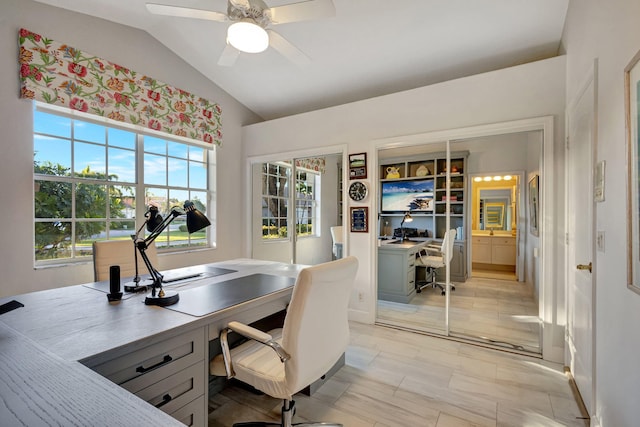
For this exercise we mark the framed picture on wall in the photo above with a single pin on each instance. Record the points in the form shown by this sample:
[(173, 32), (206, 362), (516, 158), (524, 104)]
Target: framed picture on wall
[(632, 89), (358, 166), (360, 220), (533, 204)]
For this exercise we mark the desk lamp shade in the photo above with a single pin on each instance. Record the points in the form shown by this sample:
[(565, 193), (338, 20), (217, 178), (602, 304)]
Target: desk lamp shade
[(407, 218), (153, 220), (196, 220)]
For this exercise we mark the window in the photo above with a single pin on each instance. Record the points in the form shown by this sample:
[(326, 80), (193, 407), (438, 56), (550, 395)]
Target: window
[(305, 203), (275, 200), (276, 178), (88, 176)]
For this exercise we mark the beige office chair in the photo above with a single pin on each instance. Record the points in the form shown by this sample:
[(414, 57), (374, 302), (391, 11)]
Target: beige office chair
[(120, 252), (314, 336), (336, 237), (431, 258)]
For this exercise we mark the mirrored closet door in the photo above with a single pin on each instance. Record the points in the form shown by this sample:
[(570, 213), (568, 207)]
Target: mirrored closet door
[(295, 204), (478, 192)]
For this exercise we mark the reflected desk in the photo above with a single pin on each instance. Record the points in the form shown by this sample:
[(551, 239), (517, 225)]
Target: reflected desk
[(396, 270), (161, 355)]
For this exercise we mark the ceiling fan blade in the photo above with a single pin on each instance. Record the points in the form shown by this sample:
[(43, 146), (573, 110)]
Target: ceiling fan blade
[(303, 11), (288, 50), (229, 56), (185, 12)]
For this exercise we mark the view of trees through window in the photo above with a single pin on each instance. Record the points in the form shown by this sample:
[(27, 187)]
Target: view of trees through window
[(276, 179), (87, 176)]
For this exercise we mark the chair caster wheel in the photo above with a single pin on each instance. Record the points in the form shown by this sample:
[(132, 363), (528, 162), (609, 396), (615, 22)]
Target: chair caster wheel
[(443, 293), (418, 291)]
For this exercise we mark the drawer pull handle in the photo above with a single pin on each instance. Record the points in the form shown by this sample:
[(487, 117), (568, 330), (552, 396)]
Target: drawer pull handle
[(165, 399), (142, 369)]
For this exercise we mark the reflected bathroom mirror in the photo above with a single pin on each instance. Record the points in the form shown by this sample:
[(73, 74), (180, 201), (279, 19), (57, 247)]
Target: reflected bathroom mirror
[(494, 214), (494, 205)]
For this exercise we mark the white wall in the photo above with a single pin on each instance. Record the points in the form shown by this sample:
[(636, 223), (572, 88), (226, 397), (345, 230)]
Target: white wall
[(125, 46), (526, 91), (609, 31)]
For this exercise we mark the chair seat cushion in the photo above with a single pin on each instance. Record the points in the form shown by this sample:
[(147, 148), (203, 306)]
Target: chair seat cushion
[(430, 261), (256, 364)]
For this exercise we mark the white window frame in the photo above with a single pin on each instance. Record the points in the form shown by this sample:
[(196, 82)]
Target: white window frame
[(139, 185), (292, 198)]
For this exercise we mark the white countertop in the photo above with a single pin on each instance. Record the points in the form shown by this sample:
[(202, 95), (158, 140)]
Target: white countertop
[(412, 243)]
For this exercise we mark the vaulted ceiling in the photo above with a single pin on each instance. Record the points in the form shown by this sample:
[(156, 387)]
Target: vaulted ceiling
[(369, 48)]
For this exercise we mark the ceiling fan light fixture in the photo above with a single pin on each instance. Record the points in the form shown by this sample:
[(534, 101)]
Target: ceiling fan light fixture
[(247, 36)]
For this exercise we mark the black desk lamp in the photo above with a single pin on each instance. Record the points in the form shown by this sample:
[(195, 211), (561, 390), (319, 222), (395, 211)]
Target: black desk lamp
[(196, 221), (406, 218), (134, 285)]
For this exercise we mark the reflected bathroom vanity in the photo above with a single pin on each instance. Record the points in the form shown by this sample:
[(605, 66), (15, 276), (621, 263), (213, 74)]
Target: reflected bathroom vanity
[(494, 224)]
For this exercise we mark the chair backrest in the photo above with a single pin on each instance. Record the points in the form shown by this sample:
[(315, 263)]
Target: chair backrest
[(119, 252), (316, 327), (336, 234), (447, 244)]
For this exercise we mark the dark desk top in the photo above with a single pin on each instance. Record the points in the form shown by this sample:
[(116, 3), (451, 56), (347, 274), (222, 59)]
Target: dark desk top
[(207, 299)]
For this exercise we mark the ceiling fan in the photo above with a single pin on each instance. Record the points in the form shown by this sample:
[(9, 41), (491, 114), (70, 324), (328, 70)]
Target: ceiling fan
[(251, 21)]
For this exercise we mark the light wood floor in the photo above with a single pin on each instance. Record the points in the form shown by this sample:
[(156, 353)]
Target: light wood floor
[(491, 305), (404, 379)]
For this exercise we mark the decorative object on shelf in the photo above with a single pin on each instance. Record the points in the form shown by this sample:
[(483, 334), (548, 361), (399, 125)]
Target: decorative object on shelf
[(357, 166), (358, 191), (533, 205), (632, 86), (423, 171), (196, 221), (393, 172), (360, 220)]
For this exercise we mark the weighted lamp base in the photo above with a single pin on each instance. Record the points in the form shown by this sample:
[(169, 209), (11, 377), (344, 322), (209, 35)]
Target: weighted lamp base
[(169, 298)]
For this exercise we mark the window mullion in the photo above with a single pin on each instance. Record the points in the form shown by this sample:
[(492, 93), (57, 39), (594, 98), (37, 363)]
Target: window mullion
[(140, 187)]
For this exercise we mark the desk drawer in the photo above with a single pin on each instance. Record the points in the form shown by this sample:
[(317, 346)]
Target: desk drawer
[(140, 368), (411, 280), (192, 414), (411, 260), (175, 391)]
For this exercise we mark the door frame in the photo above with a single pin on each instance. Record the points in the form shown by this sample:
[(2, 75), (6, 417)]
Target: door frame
[(248, 185), (590, 79), (521, 226), (550, 294)]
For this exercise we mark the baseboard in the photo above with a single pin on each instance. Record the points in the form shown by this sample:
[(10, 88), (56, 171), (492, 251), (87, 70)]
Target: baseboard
[(584, 414), (361, 316)]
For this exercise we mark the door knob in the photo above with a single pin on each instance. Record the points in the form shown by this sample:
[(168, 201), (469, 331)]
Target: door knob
[(584, 267)]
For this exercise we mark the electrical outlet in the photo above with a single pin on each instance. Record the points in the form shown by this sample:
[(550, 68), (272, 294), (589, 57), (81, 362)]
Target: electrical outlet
[(360, 296)]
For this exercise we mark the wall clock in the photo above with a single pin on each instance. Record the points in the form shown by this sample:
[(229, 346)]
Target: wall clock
[(358, 191)]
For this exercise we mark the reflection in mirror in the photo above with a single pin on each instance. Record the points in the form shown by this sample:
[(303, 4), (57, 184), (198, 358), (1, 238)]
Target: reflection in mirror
[(494, 215), (494, 205)]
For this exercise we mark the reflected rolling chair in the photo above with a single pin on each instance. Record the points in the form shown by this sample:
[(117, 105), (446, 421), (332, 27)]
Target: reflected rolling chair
[(336, 237), (431, 258), (119, 252), (315, 334)]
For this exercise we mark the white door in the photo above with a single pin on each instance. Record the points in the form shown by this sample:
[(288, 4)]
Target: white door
[(580, 280), (270, 213)]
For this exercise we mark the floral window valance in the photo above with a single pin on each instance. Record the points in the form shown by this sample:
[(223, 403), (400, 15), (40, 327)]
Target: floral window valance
[(59, 74), (312, 163)]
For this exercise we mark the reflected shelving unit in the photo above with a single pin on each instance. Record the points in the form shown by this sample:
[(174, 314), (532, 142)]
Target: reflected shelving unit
[(402, 175)]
